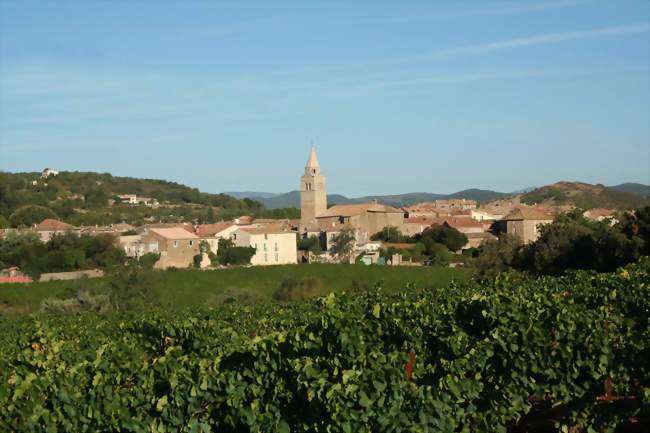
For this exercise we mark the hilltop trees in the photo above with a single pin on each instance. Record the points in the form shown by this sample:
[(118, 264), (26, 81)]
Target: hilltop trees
[(448, 236), (65, 252)]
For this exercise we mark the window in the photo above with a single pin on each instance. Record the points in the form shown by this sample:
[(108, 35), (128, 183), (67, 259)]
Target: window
[(276, 257), (266, 258), (191, 243), (276, 246), (234, 236), (313, 171), (264, 246), (266, 236), (175, 244)]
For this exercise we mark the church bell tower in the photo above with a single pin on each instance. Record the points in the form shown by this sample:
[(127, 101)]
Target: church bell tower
[(313, 196)]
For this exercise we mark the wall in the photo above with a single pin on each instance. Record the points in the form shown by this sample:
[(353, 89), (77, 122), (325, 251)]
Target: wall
[(286, 252)]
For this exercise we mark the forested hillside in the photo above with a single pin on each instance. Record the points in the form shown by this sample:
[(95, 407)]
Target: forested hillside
[(584, 196), (85, 198)]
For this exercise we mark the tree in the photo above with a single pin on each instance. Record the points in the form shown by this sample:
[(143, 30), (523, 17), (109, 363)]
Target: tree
[(30, 215), (229, 254), (498, 255), (573, 242), (344, 244), (311, 243), (390, 234), (448, 236)]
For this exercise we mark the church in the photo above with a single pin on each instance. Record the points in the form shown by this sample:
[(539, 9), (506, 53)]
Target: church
[(316, 219)]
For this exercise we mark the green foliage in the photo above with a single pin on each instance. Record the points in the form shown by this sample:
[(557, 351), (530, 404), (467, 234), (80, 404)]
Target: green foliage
[(571, 242), (390, 234), (4, 222), (585, 196), (293, 290), (448, 236), (229, 254), (467, 358), (63, 252), (147, 261), (33, 203), (502, 255), (196, 260), (344, 244), (311, 243), (30, 215)]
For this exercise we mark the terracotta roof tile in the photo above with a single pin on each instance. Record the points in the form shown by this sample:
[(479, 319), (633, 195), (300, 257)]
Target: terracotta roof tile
[(174, 233), (357, 209), (50, 224)]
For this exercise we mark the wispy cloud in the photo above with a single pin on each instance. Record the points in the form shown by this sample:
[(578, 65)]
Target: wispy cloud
[(536, 40), (475, 49), (357, 89)]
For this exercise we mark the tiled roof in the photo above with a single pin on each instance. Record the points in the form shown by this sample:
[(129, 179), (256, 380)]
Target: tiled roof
[(53, 225), (16, 279), (266, 229), (357, 209), (399, 246), (522, 213), (463, 222), (176, 233), (212, 229)]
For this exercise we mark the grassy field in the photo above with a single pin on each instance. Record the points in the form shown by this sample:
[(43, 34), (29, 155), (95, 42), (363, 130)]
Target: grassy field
[(189, 287)]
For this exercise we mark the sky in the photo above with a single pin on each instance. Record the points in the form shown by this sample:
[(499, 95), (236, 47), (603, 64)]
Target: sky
[(427, 96)]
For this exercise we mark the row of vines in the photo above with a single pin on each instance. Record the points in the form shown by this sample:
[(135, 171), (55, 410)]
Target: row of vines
[(473, 357)]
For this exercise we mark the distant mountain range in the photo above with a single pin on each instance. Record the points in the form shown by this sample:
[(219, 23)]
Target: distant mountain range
[(634, 188), (292, 198)]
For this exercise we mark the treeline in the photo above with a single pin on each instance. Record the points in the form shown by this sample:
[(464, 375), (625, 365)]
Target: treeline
[(62, 253), (435, 245), (82, 198), (571, 242)]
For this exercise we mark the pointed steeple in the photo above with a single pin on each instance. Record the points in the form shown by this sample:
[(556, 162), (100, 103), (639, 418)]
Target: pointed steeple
[(312, 162)]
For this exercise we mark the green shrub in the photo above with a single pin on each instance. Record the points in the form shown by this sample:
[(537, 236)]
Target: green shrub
[(294, 290)]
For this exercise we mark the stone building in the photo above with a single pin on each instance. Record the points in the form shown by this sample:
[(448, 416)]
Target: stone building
[(525, 222), (177, 246)]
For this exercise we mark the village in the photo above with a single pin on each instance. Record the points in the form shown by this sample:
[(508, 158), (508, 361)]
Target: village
[(277, 241)]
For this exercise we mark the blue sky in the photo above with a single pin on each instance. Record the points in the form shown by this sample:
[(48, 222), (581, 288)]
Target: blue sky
[(396, 96)]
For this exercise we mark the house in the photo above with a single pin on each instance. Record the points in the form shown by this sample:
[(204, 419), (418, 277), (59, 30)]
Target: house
[(365, 219), (132, 245), (273, 244), (456, 203), (524, 222), (475, 240), (416, 225), (177, 247), (480, 215), (128, 198), (50, 227), (464, 225), (211, 233), (49, 172), (601, 214)]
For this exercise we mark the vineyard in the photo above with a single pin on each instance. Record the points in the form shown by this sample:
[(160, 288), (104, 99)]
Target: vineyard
[(472, 357)]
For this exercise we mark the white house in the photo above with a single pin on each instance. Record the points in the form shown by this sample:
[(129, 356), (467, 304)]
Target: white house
[(273, 244)]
